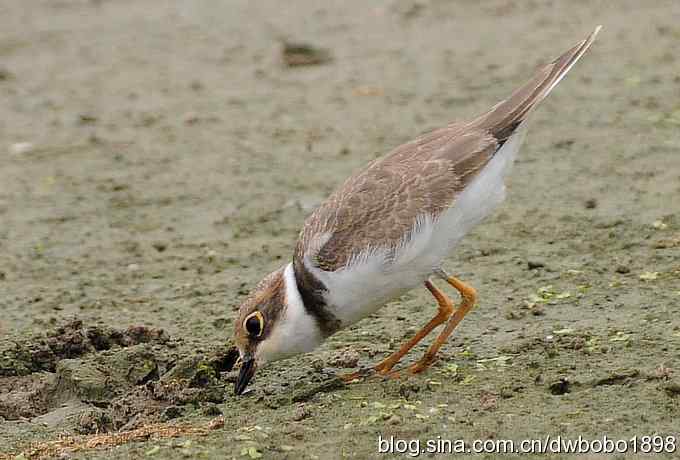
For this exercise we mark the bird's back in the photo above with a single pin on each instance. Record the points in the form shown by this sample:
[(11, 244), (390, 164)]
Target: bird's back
[(381, 207)]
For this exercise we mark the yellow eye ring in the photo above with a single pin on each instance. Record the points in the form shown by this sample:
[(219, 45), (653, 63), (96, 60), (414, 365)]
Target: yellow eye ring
[(254, 324)]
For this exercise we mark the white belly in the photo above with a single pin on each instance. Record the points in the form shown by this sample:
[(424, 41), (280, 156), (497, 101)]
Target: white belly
[(363, 287)]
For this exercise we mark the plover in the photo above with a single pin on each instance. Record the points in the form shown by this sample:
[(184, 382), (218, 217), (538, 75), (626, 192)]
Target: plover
[(387, 230)]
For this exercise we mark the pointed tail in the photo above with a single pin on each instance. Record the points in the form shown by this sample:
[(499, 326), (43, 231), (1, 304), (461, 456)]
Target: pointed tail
[(506, 116)]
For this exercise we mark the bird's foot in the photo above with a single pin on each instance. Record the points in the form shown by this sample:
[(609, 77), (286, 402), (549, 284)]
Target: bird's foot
[(420, 366), (356, 376), (373, 372), (416, 368)]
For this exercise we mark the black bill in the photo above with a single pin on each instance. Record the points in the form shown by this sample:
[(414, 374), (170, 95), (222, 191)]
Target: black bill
[(244, 376)]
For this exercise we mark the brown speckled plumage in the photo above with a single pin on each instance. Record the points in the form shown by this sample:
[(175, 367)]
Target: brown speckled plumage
[(378, 206)]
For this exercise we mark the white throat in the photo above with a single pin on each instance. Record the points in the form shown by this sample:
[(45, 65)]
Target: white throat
[(295, 331)]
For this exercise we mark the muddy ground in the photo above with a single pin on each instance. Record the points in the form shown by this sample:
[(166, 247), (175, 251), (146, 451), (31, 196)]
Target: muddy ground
[(157, 159)]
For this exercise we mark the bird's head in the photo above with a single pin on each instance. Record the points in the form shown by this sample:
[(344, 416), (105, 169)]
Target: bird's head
[(272, 324)]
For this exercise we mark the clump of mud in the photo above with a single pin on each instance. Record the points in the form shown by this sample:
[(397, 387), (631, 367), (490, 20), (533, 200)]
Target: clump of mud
[(71, 340), (103, 379)]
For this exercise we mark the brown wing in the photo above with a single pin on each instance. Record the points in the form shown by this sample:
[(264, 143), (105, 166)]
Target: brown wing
[(505, 116), (378, 206)]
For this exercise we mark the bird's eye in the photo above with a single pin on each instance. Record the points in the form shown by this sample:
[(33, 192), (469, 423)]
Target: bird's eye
[(254, 324)]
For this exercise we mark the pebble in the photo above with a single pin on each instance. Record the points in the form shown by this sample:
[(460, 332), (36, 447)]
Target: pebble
[(5, 74), (394, 420), (591, 203), (303, 54), (346, 359), (623, 269), (672, 389), (560, 387), (534, 264), (212, 409), (21, 148), (318, 364), (172, 412), (159, 246), (659, 225), (191, 118), (86, 119), (301, 413), (537, 310), (216, 423)]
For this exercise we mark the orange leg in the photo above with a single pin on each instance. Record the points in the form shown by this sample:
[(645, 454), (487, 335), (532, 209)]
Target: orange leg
[(469, 297), (445, 310)]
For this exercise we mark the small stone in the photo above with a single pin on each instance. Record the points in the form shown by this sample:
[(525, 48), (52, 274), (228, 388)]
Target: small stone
[(303, 54), (537, 310), (159, 246), (318, 364), (5, 74), (93, 421), (659, 225), (410, 331), (560, 387), (672, 389), (663, 372), (488, 401), (564, 143), (507, 393), (216, 423), (394, 420), (191, 118), (153, 451), (623, 269), (21, 148), (649, 276), (514, 314), (348, 358), (533, 264), (87, 119), (591, 203), (172, 412), (212, 410), (301, 413), (133, 267)]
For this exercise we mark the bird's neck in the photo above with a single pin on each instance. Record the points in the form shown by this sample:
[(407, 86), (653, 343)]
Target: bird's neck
[(296, 330), (312, 292)]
